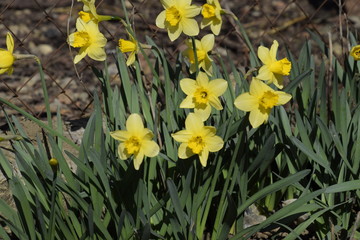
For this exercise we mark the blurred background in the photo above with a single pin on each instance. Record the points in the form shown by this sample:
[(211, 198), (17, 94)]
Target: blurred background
[(41, 27)]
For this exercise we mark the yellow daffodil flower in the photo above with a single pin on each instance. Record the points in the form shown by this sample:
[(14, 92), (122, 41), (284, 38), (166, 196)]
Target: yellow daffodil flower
[(178, 17), (202, 94), (211, 12), (7, 57), (259, 101), (89, 13), (273, 70), (89, 39), (197, 139), (136, 141), (355, 52), (130, 46), (203, 47)]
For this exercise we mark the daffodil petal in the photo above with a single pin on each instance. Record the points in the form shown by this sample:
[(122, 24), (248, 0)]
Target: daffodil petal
[(97, 53), (278, 80), (203, 113), (203, 156), (273, 50), (120, 135), (184, 152), (122, 152), (190, 27), (205, 22), (216, 26), (257, 87), (265, 74), (193, 123), (100, 40), (187, 102), (134, 124), (207, 65), (188, 86), (150, 148), (257, 118), (209, 131), (215, 102), (138, 159), (9, 42), (174, 32), (192, 11), (202, 79), (167, 3), (264, 55), (81, 54), (160, 19), (80, 25), (131, 59), (215, 143), (10, 70), (182, 136), (218, 86), (283, 98), (207, 42), (246, 102)]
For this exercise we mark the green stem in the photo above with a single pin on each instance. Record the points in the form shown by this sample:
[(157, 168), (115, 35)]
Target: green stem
[(220, 212), (46, 96), (51, 231), (247, 40), (125, 12), (200, 230)]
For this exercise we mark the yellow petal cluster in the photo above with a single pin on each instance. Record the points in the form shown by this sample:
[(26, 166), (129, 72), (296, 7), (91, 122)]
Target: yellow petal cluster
[(89, 11), (135, 141), (89, 39), (129, 46), (355, 52), (202, 94), (259, 101), (211, 12), (178, 17), (273, 70), (197, 139), (7, 57), (203, 47)]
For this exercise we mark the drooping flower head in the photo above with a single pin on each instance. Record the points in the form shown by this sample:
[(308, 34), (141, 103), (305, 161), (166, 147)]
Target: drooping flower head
[(178, 17), (135, 141), (7, 57), (203, 47), (89, 11), (89, 39), (197, 139), (202, 94), (273, 70), (355, 52), (211, 12), (129, 46), (259, 101)]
